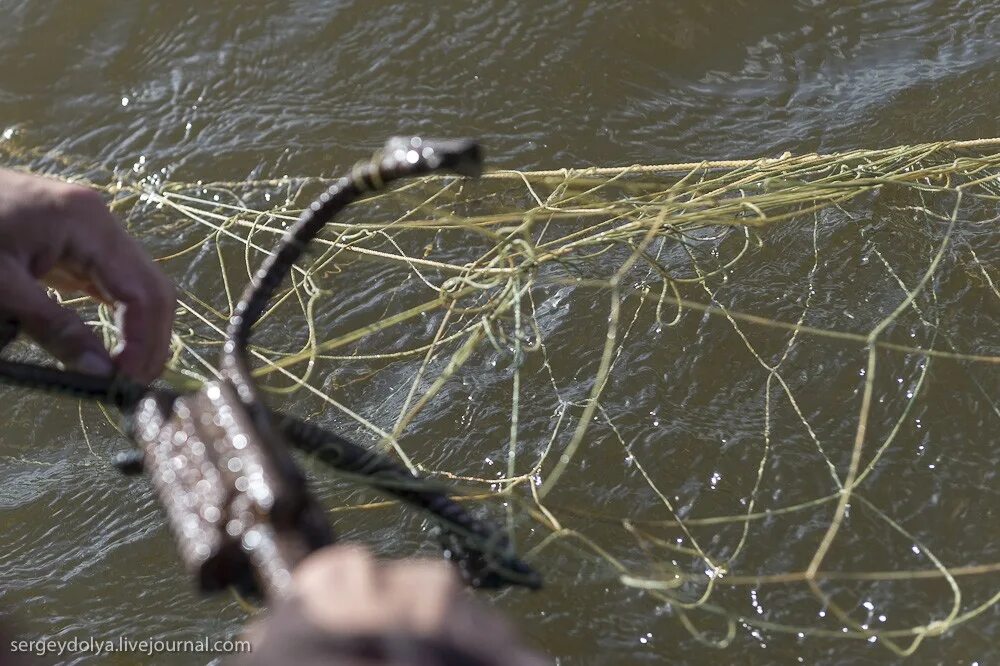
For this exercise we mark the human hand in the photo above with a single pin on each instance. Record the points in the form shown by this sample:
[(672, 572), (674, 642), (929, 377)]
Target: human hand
[(346, 598), (64, 236)]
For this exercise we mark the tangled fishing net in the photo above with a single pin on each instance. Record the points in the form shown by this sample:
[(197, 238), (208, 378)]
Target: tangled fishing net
[(731, 388)]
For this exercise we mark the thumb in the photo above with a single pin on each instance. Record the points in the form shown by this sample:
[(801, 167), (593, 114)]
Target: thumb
[(57, 329)]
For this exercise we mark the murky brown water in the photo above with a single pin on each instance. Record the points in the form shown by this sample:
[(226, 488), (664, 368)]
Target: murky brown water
[(227, 91)]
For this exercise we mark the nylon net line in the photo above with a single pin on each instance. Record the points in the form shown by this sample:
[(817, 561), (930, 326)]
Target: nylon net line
[(758, 395)]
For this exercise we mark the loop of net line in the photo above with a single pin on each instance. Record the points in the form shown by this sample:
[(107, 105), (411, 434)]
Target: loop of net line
[(634, 244)]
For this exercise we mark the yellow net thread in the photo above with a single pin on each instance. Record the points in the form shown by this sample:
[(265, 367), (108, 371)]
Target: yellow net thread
[(472, 277)]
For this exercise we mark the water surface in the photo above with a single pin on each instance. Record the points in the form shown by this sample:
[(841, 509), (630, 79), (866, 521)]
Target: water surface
[(232, 91)]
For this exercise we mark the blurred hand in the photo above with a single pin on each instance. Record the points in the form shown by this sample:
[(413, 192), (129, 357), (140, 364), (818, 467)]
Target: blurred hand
[(64, 236), (343, 592)]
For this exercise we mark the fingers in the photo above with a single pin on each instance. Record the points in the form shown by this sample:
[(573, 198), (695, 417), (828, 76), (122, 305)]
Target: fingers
[(117, 270), (57, 329), (435, 587), (339, 590), (147, 297), (342, 570), (343, 590), (326, 565)]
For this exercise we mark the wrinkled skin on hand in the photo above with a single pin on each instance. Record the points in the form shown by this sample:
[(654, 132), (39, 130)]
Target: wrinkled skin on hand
[(342, 591), (64, 236)]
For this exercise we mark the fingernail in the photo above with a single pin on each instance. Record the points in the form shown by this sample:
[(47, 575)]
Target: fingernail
[(92, 364)]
